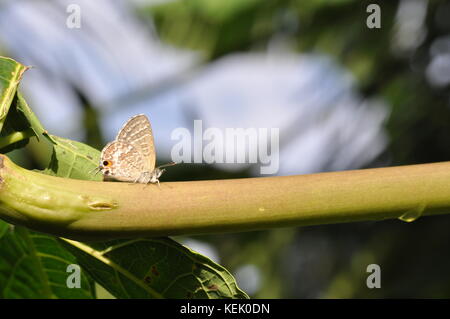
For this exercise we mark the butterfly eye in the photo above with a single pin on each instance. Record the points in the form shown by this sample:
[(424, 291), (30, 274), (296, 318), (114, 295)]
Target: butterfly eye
[(107, 163)]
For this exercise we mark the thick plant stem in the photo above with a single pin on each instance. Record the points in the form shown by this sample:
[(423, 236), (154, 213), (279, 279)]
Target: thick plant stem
[(104, 210)]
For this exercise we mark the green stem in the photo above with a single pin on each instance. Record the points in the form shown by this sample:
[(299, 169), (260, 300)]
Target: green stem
[(104, 210), (15, 137)]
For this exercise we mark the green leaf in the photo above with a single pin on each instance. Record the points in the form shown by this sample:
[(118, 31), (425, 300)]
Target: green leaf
[(19, 126), (72, 159), (17, 122), (15, 132), (154, 268), (32, 120), (34, 265), (10, 74)]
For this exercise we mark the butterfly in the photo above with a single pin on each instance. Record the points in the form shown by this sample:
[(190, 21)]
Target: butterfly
[(131, 156)]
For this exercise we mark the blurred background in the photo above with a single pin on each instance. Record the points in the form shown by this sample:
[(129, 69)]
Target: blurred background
[(343, 95)]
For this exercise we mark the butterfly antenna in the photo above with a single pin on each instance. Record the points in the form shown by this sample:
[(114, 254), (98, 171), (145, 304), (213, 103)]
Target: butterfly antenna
[(168, 164), (98, 168)]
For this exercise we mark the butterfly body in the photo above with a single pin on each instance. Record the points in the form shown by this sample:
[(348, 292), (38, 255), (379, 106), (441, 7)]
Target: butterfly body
[(131, 156)]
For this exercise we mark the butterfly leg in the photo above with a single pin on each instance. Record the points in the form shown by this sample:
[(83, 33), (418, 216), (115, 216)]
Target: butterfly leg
[(149, 182)]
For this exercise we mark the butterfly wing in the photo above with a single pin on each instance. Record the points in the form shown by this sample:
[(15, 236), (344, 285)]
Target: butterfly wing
[(121, 161), (137, 131)]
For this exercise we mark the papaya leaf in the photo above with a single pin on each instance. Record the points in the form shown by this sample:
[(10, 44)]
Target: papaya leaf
[(154, 268), (17, 122), (10, 74), (34, 265), (72, 159), (33, 122)]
